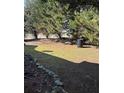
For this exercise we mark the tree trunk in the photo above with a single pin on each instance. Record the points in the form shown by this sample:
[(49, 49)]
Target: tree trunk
[(59, 35), (35, 35), (47, 36)]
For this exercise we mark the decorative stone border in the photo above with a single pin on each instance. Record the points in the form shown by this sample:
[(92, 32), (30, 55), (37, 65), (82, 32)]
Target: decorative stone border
[(57, 86)]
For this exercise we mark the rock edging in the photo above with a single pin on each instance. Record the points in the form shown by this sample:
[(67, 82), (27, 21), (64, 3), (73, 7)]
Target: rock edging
[(57, 85)]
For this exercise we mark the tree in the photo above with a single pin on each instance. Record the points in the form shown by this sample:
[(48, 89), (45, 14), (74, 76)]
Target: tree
[(48, 16), (86, 24)]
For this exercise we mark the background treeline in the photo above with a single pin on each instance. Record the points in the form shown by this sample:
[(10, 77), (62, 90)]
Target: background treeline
[(80, 18)]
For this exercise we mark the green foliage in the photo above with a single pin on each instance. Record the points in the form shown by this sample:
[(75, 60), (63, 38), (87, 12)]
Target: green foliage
[(86, 23), (48, 16), (27, 22)]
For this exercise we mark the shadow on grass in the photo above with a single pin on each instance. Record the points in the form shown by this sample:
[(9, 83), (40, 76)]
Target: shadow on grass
[(28, 40), (47, 51), (77, 77)]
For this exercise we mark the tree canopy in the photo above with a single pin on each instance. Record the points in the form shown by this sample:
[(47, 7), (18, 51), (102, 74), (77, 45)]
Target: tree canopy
[(49, 16)]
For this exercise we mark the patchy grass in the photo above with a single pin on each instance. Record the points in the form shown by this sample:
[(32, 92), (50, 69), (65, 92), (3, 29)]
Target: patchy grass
[(69, 52), (68, 62)]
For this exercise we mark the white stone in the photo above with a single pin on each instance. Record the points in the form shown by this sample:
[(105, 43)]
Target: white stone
[(58, 82)]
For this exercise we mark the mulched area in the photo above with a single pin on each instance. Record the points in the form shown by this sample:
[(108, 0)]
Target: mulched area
[(35, 80)]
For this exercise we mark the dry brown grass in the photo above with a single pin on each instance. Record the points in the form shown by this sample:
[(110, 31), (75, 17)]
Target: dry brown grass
[(70, 52), (67, 61)]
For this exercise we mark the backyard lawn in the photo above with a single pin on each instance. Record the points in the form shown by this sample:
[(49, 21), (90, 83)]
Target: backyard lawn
[(67, 52), (77, 67)]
